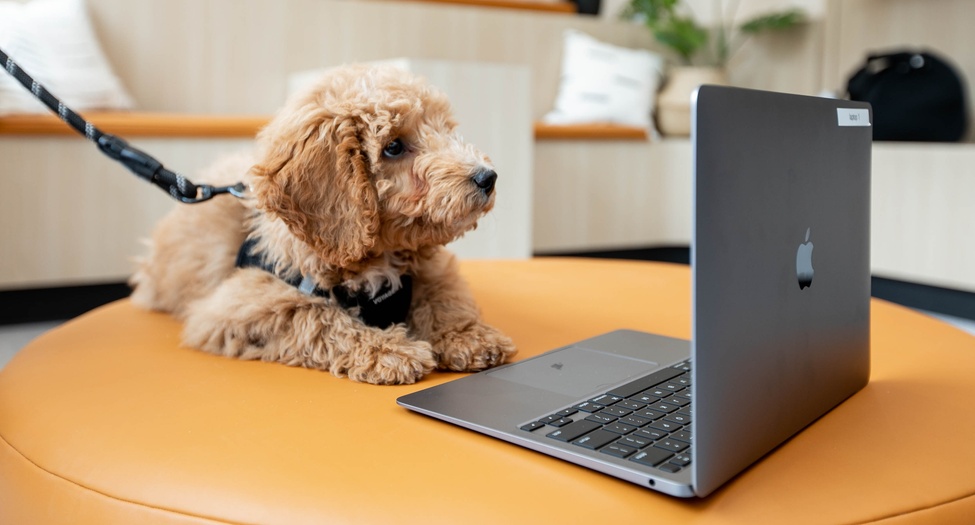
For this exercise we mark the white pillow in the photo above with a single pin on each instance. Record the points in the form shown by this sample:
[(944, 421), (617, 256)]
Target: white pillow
[(53, 41), (605, 83)]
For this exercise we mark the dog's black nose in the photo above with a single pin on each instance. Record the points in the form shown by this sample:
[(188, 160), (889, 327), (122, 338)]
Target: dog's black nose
[(484, 179)]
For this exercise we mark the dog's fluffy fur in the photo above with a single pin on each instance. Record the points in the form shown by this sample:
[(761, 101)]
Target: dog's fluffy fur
[(328, 199)]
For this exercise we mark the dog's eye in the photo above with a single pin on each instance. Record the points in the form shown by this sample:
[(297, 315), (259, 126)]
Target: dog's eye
[(394, 149)]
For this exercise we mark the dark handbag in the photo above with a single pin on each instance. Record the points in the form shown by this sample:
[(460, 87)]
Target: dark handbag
[(916, 96)]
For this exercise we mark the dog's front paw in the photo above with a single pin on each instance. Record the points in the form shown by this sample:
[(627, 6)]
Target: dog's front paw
[(396, 360), (473, 348)]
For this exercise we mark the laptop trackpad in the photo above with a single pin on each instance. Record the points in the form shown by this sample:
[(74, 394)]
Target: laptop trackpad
[(574, 371)]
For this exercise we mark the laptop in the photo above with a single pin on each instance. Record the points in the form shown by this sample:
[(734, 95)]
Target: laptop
[(779, 336)]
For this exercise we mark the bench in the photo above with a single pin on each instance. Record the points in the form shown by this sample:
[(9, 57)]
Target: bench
[(148, 124)]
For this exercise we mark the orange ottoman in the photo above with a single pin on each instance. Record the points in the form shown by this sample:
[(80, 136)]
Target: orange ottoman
[(108, 420)]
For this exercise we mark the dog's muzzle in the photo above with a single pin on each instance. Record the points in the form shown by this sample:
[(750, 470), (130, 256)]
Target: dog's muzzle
[(485, 179)]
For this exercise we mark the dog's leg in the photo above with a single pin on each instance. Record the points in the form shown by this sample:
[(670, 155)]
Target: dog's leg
[(444, 313), (253, 315)]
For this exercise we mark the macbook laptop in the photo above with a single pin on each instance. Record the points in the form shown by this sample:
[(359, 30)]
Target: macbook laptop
[(780, 321)]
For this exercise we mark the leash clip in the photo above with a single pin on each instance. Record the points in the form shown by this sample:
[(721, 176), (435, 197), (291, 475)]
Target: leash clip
[(207, 192)]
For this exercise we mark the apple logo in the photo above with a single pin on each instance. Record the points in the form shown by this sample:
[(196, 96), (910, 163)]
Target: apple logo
[(804, 267)]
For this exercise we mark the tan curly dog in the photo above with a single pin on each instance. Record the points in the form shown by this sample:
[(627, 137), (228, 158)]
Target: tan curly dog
[(335, 260)]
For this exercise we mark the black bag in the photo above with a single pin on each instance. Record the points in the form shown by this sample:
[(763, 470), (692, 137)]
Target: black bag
[(916, 96)]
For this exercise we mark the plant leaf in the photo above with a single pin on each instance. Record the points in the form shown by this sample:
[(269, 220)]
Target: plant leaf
[(682, 35), (773, 22), (653, 10)]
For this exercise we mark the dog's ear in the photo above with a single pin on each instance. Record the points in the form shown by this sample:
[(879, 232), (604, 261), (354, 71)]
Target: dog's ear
[(314, 176)]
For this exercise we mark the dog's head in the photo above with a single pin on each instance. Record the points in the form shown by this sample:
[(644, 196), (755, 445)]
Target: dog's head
[(368, 161)]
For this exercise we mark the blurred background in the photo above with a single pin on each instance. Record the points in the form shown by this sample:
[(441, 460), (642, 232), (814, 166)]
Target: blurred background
[(582, 105)]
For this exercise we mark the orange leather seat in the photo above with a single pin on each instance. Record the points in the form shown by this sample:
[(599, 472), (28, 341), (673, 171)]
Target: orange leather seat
[(108, 420)]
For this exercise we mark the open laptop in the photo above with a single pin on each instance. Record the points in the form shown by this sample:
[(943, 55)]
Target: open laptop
[(776, 341)]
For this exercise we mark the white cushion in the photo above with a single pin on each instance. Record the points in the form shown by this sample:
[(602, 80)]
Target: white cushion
[(53, 41), (605, 83)]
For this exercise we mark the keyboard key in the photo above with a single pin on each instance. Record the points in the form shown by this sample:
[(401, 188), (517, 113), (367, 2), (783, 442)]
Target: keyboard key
[(646, 382), (672, 387), (676, 400), (615, 411), (681, 459), (605, 399), (634, 441), (634, 421), (560, 422), (594, 440), (567, 412), (658, 392), (671, 444), (644, 399), (601, 419), (651, 433), (619, 428), (649, 414), (574, 430), (620, 451), (684, 380), (651, 457), (670, 467), (549, 419), (683, 435), (666, 426), (663, 407), (630, 405), (534, 425), (680, 419), (588, 406)]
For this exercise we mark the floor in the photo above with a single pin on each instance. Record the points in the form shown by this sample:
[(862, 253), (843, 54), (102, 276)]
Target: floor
[(14, 337), (965, 324)]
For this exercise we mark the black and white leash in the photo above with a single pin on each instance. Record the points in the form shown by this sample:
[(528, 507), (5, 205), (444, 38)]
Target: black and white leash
[(139, 162)]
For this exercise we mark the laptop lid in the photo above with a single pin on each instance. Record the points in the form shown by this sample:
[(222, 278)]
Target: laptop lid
[(781, 269)]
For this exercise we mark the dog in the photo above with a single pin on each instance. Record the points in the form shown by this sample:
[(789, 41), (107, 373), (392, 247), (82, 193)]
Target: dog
[(335, 258)]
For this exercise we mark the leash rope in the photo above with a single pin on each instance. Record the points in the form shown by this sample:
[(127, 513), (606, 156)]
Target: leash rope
[(137, 161)]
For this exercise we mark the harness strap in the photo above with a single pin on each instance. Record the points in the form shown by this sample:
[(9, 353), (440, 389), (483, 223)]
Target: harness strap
[(382, 310)]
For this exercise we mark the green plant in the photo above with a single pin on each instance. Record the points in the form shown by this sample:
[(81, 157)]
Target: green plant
[(673, 25)]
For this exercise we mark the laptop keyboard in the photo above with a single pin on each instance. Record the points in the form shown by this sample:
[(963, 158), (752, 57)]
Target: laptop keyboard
[(647, 421)]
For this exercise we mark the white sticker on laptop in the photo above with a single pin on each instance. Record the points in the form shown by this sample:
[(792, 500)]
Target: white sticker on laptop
[(853, 117)]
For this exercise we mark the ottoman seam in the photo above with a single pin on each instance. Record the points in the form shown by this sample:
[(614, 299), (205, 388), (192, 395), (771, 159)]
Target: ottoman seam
[(116, 498), (919, 509)]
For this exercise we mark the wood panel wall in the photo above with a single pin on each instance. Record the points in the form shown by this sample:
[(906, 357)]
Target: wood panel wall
[(215, 56)]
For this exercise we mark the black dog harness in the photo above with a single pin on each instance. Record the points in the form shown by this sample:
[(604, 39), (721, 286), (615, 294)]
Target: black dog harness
[(382, 310)]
